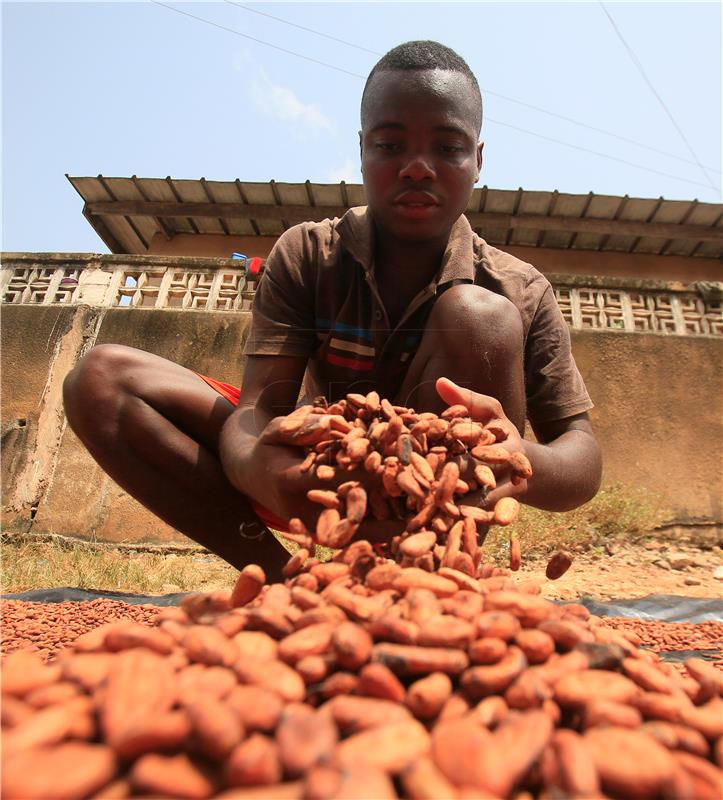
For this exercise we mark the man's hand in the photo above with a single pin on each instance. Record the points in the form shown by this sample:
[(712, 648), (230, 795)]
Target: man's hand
[(485, 409), (293, 481), (566, 459)]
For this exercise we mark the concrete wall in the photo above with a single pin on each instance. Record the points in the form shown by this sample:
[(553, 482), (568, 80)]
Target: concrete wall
[(215, 245), (658, 413)]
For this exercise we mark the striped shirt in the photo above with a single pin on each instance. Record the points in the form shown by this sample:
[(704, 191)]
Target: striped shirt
[(318, 299)]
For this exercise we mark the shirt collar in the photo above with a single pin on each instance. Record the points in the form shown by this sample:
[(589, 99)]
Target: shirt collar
[(356, 231)]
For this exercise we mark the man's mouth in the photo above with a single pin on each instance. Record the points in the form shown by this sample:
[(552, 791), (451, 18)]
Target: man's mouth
[(416, 199)]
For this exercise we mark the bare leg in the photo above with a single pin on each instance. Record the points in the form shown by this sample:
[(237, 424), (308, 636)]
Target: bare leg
[(473, 337), (154, 427)]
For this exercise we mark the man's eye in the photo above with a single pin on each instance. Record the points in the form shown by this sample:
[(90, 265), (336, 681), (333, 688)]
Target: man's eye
[(389, 146), (452, 148)]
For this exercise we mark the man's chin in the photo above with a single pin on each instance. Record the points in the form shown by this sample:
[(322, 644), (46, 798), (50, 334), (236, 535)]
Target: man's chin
[(415, 231)]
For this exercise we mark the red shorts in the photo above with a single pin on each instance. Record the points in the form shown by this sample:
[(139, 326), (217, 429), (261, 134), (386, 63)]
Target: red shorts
[(232, 394)]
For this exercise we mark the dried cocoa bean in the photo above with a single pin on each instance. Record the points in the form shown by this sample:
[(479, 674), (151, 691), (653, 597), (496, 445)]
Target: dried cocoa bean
[(628, 762), (426, 697), (391, 748), (558, 565)]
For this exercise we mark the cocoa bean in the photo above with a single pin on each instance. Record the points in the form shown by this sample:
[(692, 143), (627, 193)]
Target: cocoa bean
[(308, 641), (410, 660), (628, 762), (537, 645), (141, 685), (391, 748), (256, 644), (426, 697), (512, 750), (354, 714), (352, 645), (216, 727), (69, 771), (24, 671), (446, 631), (423, 780), (498, 625), (558, 565), (577, 771), (506, 511), (456, 747), (304, 738), (607, 712), (490, 711), (274, 675), (376, 680), (478, 682), (574, 690), (254, 762)]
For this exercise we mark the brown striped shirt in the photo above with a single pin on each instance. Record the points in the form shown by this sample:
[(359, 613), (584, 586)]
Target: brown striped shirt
[(318, 299)]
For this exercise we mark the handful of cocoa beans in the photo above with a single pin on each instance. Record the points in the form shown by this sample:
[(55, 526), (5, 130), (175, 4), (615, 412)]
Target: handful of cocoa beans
[(413, 461)]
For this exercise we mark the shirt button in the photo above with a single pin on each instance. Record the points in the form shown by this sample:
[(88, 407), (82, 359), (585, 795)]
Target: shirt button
[(377, 314)]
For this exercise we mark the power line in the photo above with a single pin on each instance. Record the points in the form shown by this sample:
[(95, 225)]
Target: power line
[(258, 41), (602, 155), (303, 28), (596, 129), (647, 80), (363, 77), (484, 91)]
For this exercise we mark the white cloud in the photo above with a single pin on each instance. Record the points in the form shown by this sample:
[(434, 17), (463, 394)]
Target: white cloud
[(348, 171), (281, 102)]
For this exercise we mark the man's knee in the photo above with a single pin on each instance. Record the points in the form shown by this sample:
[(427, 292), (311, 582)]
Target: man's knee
[(467, 313), (96, 380)]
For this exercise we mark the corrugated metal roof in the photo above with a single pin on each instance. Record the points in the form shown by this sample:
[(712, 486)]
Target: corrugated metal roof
[(128, 212)]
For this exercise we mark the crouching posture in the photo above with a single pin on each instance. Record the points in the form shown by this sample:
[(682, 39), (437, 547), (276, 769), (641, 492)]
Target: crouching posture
[(399, 296)]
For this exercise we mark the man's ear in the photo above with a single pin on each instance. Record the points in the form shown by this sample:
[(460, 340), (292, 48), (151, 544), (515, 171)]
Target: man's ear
[(361, 150), (479, 159)]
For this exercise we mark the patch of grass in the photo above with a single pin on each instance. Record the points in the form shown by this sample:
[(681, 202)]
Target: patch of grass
[(51, 564), (617, 512)]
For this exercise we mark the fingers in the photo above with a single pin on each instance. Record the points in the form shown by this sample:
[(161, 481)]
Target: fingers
[(481, 407)]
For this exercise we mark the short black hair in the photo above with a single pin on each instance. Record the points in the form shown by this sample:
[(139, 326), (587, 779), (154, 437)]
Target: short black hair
[(421, 55)]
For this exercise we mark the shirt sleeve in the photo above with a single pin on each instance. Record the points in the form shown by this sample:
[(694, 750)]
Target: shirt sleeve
[(554, 386), (282, 313)]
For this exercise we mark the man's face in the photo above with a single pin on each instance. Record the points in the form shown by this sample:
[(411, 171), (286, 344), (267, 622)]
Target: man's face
[(419, 152)]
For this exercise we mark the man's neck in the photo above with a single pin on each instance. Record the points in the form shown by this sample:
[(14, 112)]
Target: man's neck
[(407, 264)]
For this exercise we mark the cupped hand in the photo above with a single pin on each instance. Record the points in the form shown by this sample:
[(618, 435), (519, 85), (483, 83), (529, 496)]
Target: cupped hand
[(284, 464), (486, 409)]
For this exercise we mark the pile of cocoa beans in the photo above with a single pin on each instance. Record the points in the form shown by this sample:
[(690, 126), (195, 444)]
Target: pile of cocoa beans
[(420, 466), (361, 679), (49, 627), (421, 675)]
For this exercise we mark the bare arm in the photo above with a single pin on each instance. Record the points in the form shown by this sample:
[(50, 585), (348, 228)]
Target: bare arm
[(567, 464), (270, 389), (253, 460)]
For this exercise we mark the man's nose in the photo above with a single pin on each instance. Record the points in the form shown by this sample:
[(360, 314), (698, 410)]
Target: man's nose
[(417, 167)]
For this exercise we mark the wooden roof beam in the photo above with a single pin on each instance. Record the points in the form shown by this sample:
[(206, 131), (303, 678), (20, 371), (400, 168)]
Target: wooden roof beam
[(293, 214)]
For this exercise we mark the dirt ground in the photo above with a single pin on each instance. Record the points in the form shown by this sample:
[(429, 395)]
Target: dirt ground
[(650, 566), (636, 570)]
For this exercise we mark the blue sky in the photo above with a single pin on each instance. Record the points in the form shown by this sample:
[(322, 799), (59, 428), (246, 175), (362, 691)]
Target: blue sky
[(138, 88)]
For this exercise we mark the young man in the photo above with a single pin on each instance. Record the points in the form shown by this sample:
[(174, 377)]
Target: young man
[(400, 296)]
